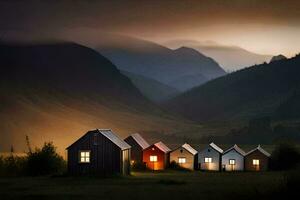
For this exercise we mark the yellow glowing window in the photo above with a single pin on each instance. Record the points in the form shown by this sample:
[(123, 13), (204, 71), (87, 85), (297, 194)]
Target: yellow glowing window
[(231, 162), (84, 156), (181, 160), (207, 160), (153, 158), (255, 162)]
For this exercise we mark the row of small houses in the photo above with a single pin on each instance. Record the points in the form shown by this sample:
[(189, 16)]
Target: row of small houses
[(102, 152)]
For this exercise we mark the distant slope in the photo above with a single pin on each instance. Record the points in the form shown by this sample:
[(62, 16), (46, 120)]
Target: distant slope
[(59, 91), (158, 62), (260, 90), (152, 89), (231, 58)]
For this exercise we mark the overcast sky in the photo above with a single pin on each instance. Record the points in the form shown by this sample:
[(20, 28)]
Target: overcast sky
[(262, 26)]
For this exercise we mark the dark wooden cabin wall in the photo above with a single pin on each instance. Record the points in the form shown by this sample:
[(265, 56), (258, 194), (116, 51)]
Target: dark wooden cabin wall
[(105, 156), (263, 161), (136, 150)]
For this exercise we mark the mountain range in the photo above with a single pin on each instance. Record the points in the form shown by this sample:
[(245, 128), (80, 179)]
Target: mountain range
[(58, 91), (181, 69), (262, 90), (231, 58)]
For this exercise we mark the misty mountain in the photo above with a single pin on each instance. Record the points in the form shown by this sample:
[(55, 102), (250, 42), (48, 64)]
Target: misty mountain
[(59, 91), (148, 59), (231, 58), (262, 90), (152, 89)]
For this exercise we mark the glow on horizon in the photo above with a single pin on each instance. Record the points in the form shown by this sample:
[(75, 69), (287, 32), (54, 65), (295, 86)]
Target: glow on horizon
[(257, 38)]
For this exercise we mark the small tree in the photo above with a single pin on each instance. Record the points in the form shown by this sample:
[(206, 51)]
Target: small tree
[(45, 161), (285, 156), (28, 144)]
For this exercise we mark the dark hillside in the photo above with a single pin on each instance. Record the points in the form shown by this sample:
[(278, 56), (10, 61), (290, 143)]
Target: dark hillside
[(57, 92), (256, 91)]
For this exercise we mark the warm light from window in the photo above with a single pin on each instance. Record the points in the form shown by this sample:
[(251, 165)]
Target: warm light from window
[(207, 160), (231, 162), (255, 162), (84, 156), (153, 158), (181, 160)]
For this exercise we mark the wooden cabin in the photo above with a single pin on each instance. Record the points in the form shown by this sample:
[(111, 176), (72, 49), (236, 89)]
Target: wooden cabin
[(185, 156), (99, 152), (233, 159), (156, 156), (210, 158), (138, 144), (257, 160)]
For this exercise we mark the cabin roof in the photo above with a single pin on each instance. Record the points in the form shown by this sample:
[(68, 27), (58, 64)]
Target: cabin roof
[(259, 148), (140, 140), (237, 149), (109, 135), (189, 148), (114, 138), (215, 147), (162, 147)]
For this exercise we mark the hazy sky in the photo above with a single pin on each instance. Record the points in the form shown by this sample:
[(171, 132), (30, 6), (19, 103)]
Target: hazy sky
[(262, 26)]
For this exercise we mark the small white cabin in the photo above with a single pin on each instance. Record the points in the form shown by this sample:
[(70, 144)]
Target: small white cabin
[(210, 158), (233, 159)]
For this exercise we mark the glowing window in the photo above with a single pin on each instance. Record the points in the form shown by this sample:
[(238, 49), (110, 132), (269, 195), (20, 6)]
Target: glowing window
[(181, 160), (255, 162), (231, 161), (84, 156), (207, 160), (153, 158)]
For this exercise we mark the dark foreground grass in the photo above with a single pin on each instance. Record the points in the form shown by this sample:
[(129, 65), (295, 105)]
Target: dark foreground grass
[(144, 186)]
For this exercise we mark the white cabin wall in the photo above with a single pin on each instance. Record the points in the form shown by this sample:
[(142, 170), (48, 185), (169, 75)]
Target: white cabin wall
[(209, 152), (239, 160)]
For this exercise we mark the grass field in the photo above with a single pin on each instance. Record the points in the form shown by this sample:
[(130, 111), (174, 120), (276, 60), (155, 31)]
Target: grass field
[(145, 185)]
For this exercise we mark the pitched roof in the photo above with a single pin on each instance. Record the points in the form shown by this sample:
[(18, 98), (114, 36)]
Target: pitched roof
[(215, 147), (237, 149), (259, 148), (140, 140), (114, 138), (162, 147), (109, 135), (189, 148)]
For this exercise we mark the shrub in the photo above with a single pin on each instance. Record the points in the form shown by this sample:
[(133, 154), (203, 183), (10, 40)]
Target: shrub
[(45, 161), (285, 156), (176, 166), (12, 166), (138, 166), (1, 166)]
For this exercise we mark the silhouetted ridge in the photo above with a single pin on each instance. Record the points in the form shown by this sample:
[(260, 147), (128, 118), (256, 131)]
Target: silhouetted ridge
[(252, 92), (67, 67)]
